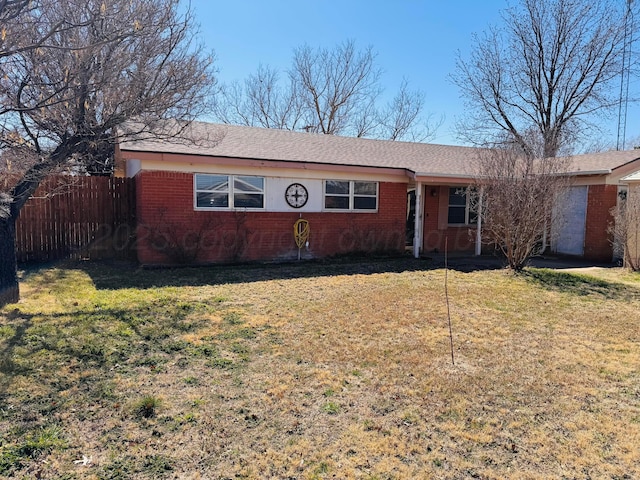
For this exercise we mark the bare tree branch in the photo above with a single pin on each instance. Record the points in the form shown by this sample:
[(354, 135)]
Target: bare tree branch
[(78, 72), (402, 118), (516, 197), (331, 91), (261, 101), (549, 69), (336, 86)]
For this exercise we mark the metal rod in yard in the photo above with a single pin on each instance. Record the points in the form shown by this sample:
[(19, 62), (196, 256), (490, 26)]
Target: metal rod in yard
[(446, 295)]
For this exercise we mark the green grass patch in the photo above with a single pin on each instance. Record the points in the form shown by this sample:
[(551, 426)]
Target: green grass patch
[(332, 408), (31, 445), (147, 406)]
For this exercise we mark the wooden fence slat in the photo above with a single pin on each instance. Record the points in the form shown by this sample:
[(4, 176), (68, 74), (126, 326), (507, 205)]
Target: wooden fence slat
[(77, 217)]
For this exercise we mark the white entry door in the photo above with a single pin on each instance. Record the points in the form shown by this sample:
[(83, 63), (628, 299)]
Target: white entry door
[(571, 222)]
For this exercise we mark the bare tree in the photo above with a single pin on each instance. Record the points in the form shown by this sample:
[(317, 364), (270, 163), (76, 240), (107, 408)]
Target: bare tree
[(106, 63), (260, 101), (515, 196), (544, 74), (332, 91), (402, 118), (625, 228), (338, 88)]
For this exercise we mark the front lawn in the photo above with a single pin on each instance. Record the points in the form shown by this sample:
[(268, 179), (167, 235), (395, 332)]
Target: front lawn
[(319, 371)]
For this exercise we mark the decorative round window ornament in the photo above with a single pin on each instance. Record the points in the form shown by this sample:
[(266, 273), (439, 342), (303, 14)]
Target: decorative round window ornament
[(296, 195)]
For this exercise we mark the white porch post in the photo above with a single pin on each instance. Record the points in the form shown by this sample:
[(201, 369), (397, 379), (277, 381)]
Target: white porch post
[(479, 227), (417, 228)]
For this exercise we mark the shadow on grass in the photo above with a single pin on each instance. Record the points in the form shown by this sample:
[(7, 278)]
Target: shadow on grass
[(8, 368), (109, 276), (52, 364), (91, 340), (580, 284)]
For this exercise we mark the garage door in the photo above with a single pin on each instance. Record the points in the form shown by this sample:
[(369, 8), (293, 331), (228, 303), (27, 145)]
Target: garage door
[(571, 222)]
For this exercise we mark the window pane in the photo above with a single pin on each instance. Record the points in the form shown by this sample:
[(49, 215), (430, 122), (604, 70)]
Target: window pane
[(341, 203), (456, 215), (364, 188), (457, 196), (364, 203), (218, 183), (336, 187), (217, 200), (249, 184), (248, 200)]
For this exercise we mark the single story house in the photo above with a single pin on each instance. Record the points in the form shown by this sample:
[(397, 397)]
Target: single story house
[(235, 193)]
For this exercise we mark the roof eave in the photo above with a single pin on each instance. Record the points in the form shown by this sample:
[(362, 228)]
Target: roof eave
[(585, 173), (432, 177), (131, 154)]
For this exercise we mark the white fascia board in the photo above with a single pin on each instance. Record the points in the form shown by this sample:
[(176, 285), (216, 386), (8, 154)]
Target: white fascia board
[(632, 178)]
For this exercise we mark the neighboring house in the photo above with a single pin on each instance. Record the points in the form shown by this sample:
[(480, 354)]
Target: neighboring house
[(237, 198)]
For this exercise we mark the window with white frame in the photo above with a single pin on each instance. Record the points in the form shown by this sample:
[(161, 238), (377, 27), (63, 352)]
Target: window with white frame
[(460, 211), (350, 195), (228, 191)]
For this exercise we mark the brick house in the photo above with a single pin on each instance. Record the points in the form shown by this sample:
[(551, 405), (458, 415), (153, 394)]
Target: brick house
[(234, 194)]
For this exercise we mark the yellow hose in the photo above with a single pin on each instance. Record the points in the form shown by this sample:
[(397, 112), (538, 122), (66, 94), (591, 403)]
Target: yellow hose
[(301, 232)]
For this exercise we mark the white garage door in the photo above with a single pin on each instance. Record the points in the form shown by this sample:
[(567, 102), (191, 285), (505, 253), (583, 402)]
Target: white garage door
[(571, 222)]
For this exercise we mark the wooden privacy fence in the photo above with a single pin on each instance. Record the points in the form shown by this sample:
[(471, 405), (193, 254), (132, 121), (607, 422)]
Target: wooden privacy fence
[(78, 217)]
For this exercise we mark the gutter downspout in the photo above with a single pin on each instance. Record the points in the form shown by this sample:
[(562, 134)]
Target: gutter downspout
[(417, 229)]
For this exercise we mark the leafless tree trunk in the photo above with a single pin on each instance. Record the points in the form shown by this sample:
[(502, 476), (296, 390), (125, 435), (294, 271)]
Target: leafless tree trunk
[(543, 75), (519, 196), (625, 228), (66, 97)]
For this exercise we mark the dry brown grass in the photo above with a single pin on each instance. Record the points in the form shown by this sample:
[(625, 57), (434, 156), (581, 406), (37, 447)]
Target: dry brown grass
[(322, 373)]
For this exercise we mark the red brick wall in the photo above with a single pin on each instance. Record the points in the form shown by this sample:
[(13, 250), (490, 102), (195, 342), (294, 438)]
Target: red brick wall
[(436, 230), (171, 231), (601, 199), (458, 239), (597, 244)]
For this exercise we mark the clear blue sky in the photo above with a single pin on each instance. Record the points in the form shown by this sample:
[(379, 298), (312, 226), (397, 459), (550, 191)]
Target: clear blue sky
[(414, 39)]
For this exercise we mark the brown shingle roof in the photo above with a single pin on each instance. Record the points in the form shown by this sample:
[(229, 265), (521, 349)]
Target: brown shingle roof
[(603, 162), (283, 145)]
